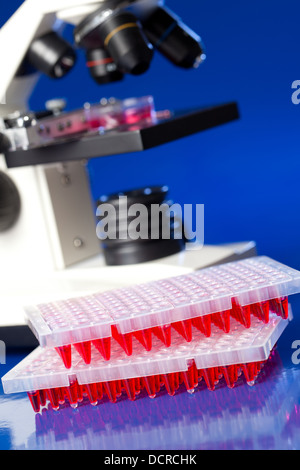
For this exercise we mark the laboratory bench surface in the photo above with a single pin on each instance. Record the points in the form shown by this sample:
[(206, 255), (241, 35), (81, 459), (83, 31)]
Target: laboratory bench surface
[(265, 416)]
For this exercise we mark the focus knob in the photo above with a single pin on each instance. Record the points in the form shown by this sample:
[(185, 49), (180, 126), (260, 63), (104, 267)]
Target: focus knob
[(4, 143), (10, 202)]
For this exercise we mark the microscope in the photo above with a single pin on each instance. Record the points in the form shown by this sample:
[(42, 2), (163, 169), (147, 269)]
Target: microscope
[(48, 242)]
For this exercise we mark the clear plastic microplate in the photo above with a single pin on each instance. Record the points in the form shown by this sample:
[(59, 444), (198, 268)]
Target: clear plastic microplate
[(243, 290), (221, 355)]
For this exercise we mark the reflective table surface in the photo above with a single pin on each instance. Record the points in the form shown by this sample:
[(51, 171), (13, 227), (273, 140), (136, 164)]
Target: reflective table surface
[(265, 416)]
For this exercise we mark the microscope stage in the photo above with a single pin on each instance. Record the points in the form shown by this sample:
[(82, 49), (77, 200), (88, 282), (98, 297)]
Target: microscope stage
[(85, 146)]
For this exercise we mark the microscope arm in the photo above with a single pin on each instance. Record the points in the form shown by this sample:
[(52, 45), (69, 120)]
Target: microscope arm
[(15, 38)]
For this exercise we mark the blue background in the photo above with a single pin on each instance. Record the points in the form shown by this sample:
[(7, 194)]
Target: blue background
[(246, 173)]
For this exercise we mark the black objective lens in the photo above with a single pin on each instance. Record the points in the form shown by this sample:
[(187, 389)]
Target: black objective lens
[(102, 67), (174, 39), (121, 35), (122, 249), (52, 55), (125, 42)]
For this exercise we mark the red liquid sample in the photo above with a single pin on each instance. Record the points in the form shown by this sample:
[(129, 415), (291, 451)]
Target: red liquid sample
[(241, 313), (261, 311), (104, 347), (152, 385), (184, 328), (280, 307), (203, 324), (145, 338), (84, 349), (163, 333), (222, 320), (66, 355), (34, 398), (125, 341)]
